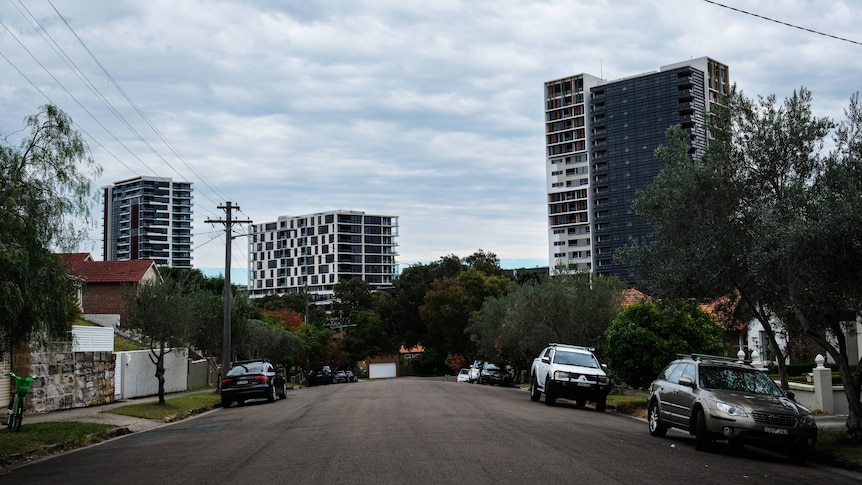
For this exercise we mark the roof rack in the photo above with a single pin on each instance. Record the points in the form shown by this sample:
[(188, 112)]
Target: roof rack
[(702, 357), (580, 347)]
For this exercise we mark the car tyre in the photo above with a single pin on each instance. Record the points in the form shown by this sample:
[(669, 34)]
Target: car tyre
[(535, 393), (702, 440), (798, 453), (225, 402), (550, 398), (601, 405), (270, 396), (283, 393), (656, 427)]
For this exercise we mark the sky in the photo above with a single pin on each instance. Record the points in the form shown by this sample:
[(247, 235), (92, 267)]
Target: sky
[(429, 111)]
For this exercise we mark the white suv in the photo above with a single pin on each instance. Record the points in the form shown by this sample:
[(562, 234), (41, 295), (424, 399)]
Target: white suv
[(569, 372)]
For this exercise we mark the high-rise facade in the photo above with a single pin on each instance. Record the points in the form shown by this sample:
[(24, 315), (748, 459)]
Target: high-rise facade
[(313, 252), (600, 140), (148, 218)]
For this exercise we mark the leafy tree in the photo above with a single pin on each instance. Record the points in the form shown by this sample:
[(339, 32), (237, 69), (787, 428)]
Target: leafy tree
[(646, 336), (572, 308), (361, 316), (263, 340), (44, 202), (766, 214), (164, 313)]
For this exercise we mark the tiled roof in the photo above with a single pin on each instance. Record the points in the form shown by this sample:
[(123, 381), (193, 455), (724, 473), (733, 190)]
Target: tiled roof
[(83, 266)]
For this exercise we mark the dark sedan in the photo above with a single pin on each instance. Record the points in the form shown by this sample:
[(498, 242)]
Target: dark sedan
[(252, 379)]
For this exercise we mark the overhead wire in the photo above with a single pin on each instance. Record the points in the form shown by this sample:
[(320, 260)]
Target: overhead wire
[(782, 22), (70, 63)]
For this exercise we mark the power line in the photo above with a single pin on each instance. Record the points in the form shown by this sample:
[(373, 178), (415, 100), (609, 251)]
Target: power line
[(782, 22)]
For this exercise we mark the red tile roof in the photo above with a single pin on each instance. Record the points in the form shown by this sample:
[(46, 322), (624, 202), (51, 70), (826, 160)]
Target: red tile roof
[(83, 266)]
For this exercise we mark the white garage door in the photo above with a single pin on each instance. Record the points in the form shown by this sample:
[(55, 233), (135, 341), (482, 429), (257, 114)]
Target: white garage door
[(382, 370)]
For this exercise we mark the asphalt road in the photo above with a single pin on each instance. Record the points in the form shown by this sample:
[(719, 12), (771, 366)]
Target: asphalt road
[(407, 430)]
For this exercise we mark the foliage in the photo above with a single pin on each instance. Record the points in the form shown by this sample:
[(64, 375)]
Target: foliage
[(44, 202), (567, 308), (646, 337), (768, 215), (262, 340), (164, 313)]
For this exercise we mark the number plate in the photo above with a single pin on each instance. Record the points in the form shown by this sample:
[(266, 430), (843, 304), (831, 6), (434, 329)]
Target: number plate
[(242, 383), (768, 429), (583, 384)]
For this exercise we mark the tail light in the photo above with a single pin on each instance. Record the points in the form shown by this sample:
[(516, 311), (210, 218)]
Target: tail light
[(226, 381)]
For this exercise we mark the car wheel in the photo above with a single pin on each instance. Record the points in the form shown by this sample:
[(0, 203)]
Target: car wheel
[(702, 441), (550, 398), (283, 393), (270, 395), (656, 427), (601, 405), (225, 402), (535, 394), (798, 453)]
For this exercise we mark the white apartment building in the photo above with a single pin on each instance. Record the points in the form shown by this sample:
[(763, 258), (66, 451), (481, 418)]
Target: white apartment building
[(313, 252)]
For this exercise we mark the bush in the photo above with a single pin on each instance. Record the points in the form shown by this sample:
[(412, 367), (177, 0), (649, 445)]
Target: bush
[(645, 337)]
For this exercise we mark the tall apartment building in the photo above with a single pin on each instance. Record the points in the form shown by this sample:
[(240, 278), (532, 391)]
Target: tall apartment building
[(600, 141), (313, 252), (148, 218)]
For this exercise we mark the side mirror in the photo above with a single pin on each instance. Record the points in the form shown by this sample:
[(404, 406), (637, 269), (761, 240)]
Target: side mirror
[(546, 360), (604, 366), (790, 395), (686, 381)]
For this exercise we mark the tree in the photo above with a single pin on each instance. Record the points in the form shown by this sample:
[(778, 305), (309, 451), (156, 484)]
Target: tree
[(44, 203), (767, 215), (567, 308), (646, 336), (164, 313)]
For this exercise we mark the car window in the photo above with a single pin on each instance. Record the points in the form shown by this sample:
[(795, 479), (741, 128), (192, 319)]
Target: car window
[(247, 368), (492, 366), (575, 358), (688, 370), (547, 352), (666, 372), (674, 373), (745, 380)]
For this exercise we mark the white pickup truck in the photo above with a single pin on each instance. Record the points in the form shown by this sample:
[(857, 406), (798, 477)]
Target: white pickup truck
[(569, 372)]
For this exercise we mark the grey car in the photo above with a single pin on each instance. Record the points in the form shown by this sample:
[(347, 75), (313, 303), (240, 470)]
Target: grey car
[(715, 398)]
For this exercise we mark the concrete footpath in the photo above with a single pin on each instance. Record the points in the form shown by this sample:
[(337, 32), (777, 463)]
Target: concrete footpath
[(97, 414)]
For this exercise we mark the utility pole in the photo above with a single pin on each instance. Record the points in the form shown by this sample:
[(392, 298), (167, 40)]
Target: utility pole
[(228, 222)]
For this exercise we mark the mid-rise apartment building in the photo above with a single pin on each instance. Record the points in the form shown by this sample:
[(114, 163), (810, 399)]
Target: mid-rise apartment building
[(148, 218), (600, 140), (313, 252)]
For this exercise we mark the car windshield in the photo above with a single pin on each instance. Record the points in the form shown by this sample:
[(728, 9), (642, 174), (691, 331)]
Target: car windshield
[(248, 368), (575, 358), (493, 366), (745, 380)]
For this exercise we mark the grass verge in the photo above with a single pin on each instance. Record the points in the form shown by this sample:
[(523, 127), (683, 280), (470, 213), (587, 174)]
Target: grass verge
[(41, 439), (175, 407)]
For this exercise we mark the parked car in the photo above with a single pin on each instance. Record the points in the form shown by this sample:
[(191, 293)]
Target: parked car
[(464, 375), (719, 398), (319, 375), (495, 373), (340, 377), (251, 379), (569, 372), (351, 377)]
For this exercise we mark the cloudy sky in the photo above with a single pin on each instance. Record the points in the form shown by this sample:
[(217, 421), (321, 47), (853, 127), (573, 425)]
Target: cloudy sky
[(428, 110)]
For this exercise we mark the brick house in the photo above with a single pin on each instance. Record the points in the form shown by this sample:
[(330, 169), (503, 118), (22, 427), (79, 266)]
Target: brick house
[(106, 283)]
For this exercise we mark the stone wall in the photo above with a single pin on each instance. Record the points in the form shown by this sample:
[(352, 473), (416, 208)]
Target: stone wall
[(65, 379)]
